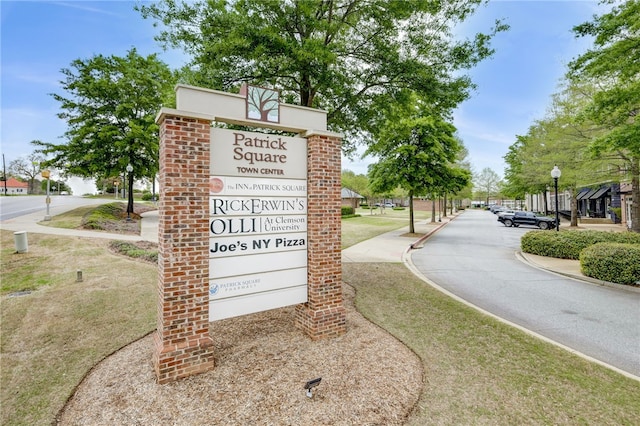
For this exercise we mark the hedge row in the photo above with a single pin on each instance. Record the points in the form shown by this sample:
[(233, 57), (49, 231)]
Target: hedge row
[(347, 211), (569, 244), (606, 256), (613, 262), (148, 196)]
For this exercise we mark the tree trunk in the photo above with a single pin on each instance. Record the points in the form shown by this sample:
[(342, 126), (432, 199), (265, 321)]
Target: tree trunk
[(411, 227), (635, 194), (130, 198), (444, 206), (433, 209)]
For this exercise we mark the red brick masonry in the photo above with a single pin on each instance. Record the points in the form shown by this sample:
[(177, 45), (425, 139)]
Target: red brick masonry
[(323, 315), (183, 345)]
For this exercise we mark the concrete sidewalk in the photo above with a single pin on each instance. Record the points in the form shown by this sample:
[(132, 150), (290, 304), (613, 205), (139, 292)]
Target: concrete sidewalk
[(32, 223), (388, 247), (391, 246)]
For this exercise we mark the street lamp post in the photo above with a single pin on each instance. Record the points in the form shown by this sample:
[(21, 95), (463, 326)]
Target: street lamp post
[(130, 189), (46, 174), (555, 174)]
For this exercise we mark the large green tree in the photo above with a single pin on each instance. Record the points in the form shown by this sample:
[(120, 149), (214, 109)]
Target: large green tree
[(515, 186), (561, 139), (352, 58), (418, 151), (110, 106), (613, 66)]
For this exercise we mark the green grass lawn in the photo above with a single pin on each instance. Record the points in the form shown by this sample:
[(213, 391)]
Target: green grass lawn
[(476, 370), (53, 336), (375, 222), (481, 371)]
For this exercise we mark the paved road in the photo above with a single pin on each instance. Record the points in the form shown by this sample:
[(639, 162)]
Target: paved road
[(12, 207), (26, 214), (474, 258)]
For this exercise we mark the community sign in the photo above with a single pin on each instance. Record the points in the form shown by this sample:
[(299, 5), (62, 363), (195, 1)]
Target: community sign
[(258, 222)]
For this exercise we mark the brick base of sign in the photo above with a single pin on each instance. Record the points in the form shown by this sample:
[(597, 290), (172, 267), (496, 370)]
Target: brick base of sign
[(321, 324), (183, 346), (182, 361), (323, 315)]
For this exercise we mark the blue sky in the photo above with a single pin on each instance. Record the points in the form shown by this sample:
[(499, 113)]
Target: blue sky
[(39, 38)]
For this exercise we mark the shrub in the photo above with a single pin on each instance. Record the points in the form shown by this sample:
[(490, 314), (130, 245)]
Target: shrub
[(148, 196), (144, 250), (398, 208), (569, 244), (613, 262), (95, 218), (347, 211)]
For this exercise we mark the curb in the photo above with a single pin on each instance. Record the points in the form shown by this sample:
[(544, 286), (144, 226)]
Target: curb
[(523, 258), (418, 244), (408, 262)]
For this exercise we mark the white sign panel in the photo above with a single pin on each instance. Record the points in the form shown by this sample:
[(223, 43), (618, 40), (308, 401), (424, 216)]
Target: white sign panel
[(256, 302), (240, 153), (258, 222), (243, 245), (241, 206), (255, 187), (251, 225), (223, 288), (253, 264)]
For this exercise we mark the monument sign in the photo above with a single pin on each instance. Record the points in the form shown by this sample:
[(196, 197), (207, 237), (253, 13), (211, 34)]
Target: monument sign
[(248, 220), (258, 208)]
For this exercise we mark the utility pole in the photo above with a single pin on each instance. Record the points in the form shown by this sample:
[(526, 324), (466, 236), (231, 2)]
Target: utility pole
[(4, 174)]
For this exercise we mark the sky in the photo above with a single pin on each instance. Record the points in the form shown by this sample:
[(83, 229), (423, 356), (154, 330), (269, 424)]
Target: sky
[(39, 38)]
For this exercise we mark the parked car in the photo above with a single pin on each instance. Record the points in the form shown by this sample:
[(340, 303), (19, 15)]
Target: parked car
[(506, 211), (527, 218)]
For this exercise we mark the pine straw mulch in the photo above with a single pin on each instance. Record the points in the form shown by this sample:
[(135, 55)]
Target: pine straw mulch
[(262, 363), (121, 226)]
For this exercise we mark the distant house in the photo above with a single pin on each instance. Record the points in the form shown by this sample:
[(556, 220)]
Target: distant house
[(15, 187), (351, 198)]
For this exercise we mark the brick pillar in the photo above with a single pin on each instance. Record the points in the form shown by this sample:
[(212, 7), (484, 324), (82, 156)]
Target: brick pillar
[(183, 346), (324, 314)]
